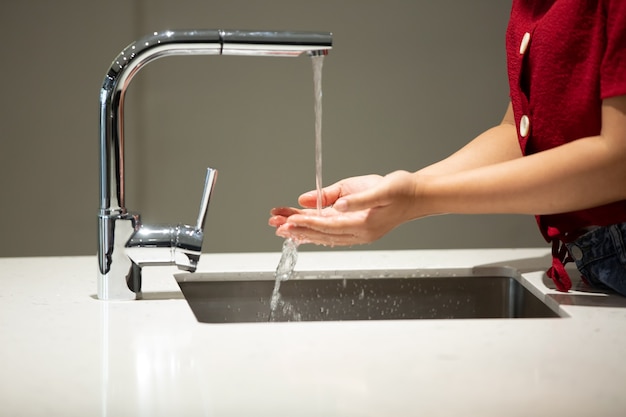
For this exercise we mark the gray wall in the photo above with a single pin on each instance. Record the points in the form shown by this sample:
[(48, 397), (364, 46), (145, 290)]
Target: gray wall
[(407, 83)]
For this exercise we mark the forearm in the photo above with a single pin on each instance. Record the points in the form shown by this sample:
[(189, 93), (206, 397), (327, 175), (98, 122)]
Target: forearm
[(581, 174)]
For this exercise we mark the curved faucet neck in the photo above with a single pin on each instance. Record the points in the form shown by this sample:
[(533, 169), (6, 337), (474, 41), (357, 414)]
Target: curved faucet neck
[(183, 42)]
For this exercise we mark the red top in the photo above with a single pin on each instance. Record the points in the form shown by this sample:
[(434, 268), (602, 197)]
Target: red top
[(564, 57)]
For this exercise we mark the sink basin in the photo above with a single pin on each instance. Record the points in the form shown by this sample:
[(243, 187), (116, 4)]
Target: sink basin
[(357, 295)]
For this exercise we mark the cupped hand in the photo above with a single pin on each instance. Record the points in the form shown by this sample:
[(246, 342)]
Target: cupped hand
[(356, 210)]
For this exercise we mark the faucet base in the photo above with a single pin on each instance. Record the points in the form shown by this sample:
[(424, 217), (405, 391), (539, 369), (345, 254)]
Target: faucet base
[(114, 231)]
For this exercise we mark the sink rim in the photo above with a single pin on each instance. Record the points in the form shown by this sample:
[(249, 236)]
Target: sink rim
[(321, 274)]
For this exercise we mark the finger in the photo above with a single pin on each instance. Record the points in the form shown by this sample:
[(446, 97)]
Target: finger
[(284, 211), (375, 197), (330, 224), (330, 194), (306, 235), (280, 215), (277, 221)]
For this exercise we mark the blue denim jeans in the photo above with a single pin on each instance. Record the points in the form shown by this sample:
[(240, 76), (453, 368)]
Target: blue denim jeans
[(600, 256)]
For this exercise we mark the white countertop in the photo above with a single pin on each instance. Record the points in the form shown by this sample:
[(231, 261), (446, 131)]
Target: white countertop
[(65, 353)]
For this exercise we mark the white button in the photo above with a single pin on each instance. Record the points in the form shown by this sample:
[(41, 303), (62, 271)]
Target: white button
[(524, 45), (524, 126)]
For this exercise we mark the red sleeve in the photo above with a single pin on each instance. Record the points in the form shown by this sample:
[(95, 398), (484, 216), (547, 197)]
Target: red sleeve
[(613, 69)]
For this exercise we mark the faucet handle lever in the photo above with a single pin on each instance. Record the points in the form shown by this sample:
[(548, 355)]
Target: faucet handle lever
[(209, 184)]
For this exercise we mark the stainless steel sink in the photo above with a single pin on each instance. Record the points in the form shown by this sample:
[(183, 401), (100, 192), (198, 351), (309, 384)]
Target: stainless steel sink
[(357, 295)]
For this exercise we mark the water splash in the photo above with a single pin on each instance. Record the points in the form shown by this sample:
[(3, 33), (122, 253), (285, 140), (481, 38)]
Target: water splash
[(284, 271)]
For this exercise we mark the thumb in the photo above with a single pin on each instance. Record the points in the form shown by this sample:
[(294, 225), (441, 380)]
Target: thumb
[(330, 195), (364, 200)]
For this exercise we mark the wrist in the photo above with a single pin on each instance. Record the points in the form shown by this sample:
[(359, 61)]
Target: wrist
[(424, 192)]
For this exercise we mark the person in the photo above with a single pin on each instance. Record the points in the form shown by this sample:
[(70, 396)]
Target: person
[(559, 152)]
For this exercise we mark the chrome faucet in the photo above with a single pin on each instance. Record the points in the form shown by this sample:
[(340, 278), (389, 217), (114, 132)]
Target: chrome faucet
[(125, 245)]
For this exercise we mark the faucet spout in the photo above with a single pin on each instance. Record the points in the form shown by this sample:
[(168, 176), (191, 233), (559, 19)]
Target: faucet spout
[(124, 244)]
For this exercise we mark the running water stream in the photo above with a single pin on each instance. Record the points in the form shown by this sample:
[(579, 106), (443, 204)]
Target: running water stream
[(318, 63), (289, 255)]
